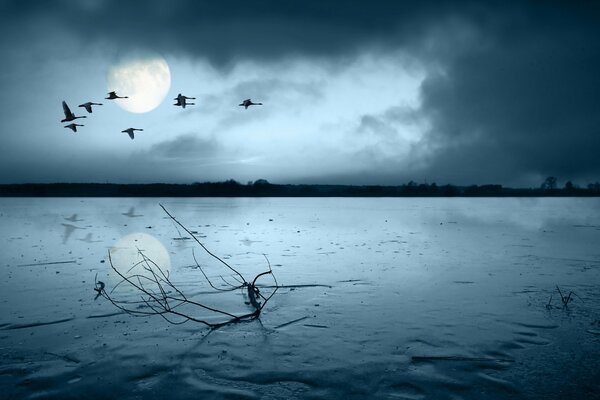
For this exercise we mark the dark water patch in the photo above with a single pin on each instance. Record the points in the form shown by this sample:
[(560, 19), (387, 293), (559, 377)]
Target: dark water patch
[(105, 315), (444, 325), (425, 342), (537, 342), (497, 354), (498, 383), (511, 345), (525, 333), (524, 291), (307, 285), (65, 357), (362, 283), (316, 326), (463, 282), (35, 324), (202, 385), (403, 390), (536, 326), (418, 359), (563, 259), (145, 372)]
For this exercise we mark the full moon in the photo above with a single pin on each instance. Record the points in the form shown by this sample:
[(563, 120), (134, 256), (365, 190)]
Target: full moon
[(145, 81), (125, 254)]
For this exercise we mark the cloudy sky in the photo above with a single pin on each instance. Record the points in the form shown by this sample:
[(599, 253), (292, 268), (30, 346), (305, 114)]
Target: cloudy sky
[(354, 92)]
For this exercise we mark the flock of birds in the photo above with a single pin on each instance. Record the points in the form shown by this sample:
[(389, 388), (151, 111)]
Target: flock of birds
[(180, 101)]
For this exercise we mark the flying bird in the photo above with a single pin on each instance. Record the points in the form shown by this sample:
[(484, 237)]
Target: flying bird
[(113, 95), (247, 103), (181, 100), (130, 132), (73, 126), (69, 116), (88, 106)]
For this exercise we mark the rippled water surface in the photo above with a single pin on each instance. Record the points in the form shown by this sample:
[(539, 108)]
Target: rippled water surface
[(405, 298)]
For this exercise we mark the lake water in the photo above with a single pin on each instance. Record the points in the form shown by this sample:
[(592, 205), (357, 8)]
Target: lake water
[(405, 298)]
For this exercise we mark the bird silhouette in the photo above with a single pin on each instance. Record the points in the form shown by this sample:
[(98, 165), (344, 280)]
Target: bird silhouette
[(131, 213), (130, 132), (88, 106), (69, 116), (69, 229), (73, 126), (181, 100), (113, 95), (73, 218), (247, 103)]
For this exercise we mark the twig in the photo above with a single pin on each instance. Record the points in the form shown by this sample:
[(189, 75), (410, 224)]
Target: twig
[(291, 322), (200, 243), (567, 299), (158, 295), (47, 263), (549, 306)]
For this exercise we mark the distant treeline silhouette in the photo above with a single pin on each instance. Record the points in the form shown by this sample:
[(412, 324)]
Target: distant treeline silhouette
[(262, 188)]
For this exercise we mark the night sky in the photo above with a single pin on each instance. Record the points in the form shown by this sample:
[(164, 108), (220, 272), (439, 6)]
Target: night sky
[(354, 92)]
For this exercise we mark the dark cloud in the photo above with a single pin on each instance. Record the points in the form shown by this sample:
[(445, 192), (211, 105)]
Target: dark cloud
[(222, 31), (510, 89), (519, 100), (387, 124), (184, 147), (374, 125)]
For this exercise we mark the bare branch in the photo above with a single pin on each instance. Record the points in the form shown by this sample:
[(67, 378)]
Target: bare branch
[(160, 296), (200, 243)]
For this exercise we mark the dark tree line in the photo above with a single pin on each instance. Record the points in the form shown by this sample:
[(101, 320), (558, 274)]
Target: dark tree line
[(262, 188)]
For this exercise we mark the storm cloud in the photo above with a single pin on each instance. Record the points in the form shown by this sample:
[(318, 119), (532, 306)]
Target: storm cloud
[(503, 93)]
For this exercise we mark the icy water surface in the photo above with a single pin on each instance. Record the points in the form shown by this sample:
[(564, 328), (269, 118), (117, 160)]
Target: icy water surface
[(406, 299)]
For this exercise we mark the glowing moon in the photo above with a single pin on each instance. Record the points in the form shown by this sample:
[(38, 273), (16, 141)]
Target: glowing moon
[(125, 255), (145, 81)]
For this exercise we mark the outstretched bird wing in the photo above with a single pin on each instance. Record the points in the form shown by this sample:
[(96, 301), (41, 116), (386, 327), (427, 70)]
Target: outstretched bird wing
[(130, 133), (66, 109), (87, 106)]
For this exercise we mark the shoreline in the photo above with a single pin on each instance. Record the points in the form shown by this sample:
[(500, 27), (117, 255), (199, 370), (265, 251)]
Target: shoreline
[(264, 189)]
